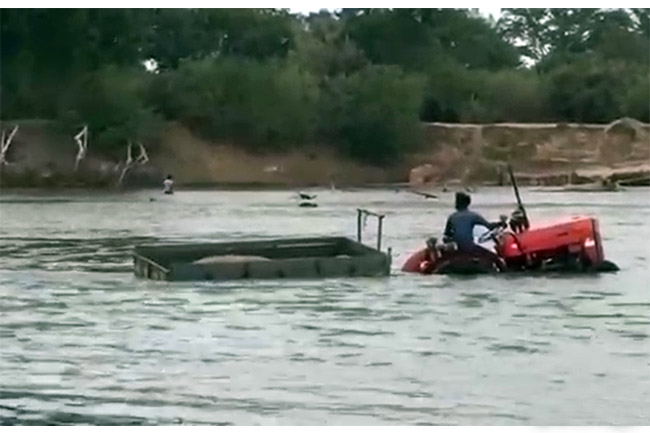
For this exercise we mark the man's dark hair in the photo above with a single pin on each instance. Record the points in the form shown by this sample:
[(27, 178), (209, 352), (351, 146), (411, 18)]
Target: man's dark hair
[(462, 201)]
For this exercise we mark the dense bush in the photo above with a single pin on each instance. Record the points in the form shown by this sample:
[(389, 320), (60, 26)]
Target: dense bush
[(265, 105), (509, 96), (112, 101), (635, 103), (372, 114)]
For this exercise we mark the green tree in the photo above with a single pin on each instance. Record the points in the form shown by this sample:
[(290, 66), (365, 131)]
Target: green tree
[(417, 39), (44, 51), (636, 102), (538, 33), (587, 91), (184, 34), (359, 80), (261, 103), (449, 87), (552, 37), (322, 47), (112, 101), (372, 114), (507, 96)]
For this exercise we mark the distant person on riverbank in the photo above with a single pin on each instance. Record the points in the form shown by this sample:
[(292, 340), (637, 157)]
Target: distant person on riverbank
[(168, 185)]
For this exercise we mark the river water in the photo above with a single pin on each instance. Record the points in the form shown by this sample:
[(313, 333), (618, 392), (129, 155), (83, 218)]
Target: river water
[(84, 342)]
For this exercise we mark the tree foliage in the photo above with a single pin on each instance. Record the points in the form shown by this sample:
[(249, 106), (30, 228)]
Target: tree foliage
[(263, 104), (359, 80), (114, 102), (372, 113)]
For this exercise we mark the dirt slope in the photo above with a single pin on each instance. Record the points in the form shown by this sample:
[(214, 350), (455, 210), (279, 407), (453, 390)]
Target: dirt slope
[(42, 155)]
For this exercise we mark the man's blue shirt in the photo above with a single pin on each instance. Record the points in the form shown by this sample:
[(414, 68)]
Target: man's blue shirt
[(460, 227)]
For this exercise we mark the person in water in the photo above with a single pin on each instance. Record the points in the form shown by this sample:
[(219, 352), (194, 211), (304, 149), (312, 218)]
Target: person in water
[(460, 228), (168, 185)]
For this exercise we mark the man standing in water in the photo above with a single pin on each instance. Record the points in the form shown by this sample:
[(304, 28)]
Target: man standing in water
[(460, 228), (168, 185)]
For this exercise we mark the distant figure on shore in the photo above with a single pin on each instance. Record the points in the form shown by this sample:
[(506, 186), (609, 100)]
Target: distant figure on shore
[(168, 185)]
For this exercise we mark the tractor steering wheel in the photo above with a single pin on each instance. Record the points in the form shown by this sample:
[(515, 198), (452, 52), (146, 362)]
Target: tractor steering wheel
[(492, 234)]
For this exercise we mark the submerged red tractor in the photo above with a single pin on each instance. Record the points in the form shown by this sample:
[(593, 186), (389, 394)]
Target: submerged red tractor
[(571, 244)]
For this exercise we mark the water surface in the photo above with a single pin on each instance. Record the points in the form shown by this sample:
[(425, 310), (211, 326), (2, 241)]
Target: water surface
[(83, 342)]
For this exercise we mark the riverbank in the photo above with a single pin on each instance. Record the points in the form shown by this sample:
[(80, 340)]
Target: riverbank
[(42, 156)]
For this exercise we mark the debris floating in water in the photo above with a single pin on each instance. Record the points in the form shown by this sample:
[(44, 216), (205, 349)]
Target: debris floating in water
[(424, 194), (306, 200), (306, 196)]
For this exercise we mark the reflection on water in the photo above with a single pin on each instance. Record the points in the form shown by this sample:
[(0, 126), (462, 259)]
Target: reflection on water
[(84, 342)]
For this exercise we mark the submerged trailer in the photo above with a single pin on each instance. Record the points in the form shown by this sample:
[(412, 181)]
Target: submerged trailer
[(320, 257)]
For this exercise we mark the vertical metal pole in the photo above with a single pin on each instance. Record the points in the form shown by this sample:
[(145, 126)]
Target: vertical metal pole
[(359, 225), (380, 223), (513, 181)]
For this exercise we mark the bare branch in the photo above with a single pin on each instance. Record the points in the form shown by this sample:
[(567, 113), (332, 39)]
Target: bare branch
[(4, 145), (142, 159), (82, 140), (129, 158)]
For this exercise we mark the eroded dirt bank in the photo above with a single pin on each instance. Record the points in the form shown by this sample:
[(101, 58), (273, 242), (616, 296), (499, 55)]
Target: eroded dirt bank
[(41, 155)]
